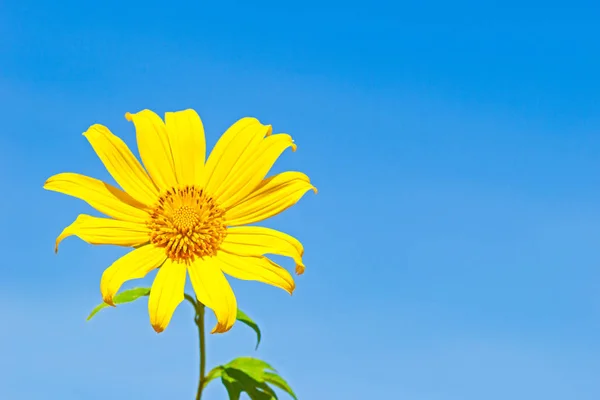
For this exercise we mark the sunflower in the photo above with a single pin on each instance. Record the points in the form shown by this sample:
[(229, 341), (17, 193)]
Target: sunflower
[(184, 215)]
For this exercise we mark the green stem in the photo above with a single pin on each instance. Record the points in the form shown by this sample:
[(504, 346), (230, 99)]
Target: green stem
[(200, 323)]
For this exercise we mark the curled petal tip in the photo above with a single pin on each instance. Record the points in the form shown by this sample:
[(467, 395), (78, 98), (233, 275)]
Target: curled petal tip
[(158, 328), (269, 130), (300, 269), (314, 189), (290, 289), (294, 146), (220, 328), (109, 301), (128, 116)]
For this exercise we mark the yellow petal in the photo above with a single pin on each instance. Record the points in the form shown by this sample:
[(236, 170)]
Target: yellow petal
[(213, 290), (154, 147), (257, 241), (133, 265), (240, 140), (256, 269), (255, 167), (95, 230), (272, 196), (166, 294), (103, 197), (122, 164), (186, 136)]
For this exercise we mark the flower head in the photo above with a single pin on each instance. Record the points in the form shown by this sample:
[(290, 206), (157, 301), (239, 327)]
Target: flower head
[(184, 215)]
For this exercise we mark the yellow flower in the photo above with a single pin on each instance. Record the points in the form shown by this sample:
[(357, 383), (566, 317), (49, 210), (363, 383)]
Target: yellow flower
[(184, 214)]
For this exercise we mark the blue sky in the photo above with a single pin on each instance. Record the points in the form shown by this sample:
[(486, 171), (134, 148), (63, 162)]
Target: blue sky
[(452, 250)]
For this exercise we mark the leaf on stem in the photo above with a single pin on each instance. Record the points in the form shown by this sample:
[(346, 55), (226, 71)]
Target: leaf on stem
[(216, 372), (240, 381), (252, 376), (278, 381), (245, 319), (125, 296)]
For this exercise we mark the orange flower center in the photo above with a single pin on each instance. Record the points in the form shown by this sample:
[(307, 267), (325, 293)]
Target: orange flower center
[(187, 223)]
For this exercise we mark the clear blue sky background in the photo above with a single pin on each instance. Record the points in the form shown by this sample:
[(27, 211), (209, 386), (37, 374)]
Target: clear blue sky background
[(452, 251)]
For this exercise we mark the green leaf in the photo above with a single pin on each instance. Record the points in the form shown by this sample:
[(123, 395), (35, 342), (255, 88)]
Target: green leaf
[(240, 380), (214, 373), (278, 381), (252, 366), (234, 389), (252, 376), (125, 296), (245, 319)]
